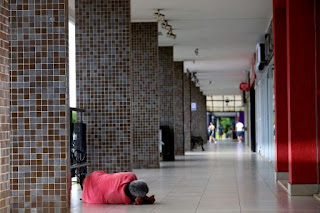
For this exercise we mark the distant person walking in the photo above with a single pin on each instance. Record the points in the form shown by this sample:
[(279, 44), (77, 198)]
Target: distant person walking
[(220, 131), (211, 129), (239, 129)]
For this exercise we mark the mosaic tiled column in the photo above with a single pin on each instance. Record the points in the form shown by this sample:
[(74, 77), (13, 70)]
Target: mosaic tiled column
[(39, 106), (4, 111), (199, 116), (103, 81), (166, 86), (145, 98), (166, 66), (187, 110), (178, 108)]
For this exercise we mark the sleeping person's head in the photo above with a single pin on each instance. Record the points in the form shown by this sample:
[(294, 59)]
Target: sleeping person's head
[(138, 188)]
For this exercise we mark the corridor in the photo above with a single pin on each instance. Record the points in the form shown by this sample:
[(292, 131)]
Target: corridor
[(226, 178)]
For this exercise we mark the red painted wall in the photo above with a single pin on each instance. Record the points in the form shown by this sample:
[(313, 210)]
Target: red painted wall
[(280, 88), (301, 92)]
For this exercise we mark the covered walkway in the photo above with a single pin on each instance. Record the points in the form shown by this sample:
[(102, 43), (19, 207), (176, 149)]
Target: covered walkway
[(227, 177)]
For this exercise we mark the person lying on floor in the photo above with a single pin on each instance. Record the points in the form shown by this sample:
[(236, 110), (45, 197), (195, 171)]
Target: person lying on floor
[(117, 188)]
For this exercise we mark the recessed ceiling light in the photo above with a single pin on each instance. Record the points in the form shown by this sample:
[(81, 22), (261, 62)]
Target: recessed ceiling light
[(196, 51)]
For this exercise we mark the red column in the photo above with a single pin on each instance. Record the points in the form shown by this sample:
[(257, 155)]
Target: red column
[(301, 92), (318, 72), (280, 85)]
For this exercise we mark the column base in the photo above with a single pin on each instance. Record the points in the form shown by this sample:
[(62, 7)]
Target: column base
[(302, 189), (281, 176), (284, 184), (317, 197)]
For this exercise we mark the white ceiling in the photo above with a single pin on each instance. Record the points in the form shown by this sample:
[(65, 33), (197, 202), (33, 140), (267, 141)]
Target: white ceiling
[(224, 31)]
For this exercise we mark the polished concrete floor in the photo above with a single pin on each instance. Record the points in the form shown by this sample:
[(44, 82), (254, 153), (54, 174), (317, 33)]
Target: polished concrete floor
[(226, 178)]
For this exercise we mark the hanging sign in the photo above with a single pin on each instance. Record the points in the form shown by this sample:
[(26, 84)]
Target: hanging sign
[(244, 86)]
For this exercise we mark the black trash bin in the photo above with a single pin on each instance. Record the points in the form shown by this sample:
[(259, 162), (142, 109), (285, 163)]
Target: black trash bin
[(168, 143)]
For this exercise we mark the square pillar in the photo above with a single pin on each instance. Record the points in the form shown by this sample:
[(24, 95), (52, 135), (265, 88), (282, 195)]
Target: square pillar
[(166, 86), (199, 116), (4, 111), (187, 110), (178, 108), (301, 97), (40, 175), (280, 90), (318, 71), (103, 31), (166, 95), (145, 98)]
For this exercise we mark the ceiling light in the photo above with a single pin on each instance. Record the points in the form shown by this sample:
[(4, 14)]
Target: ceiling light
[(157, 15), (196, 51), (171, 35), (166, 26)]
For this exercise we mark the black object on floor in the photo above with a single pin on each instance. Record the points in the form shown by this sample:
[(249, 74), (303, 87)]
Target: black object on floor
[(168, 140), (197, 140)]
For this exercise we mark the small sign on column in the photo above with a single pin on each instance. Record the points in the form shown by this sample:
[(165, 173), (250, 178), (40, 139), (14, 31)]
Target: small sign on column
[(193, 106)]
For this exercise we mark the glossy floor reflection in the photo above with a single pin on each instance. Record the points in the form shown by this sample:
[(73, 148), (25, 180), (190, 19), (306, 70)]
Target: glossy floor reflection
[(227, 177)]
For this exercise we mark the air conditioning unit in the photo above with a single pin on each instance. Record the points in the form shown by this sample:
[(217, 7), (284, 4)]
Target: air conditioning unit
[(260, 60)]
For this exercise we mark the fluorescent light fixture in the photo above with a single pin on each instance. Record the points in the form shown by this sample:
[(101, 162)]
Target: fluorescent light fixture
[(166, 26), (196, 52), (171, 35), (160, 17)]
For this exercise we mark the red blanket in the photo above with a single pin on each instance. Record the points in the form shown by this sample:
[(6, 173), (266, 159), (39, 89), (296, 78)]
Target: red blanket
[(101, 187)]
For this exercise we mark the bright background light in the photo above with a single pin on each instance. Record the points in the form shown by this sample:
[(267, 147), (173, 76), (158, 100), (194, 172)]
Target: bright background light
[(72, 66)]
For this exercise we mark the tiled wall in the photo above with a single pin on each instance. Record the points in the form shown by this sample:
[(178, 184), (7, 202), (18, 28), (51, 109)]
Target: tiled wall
[(166, 67), (187, 110), (4, 110), (178, 108), (145, 98), (198, 117), (39, 105), (103, 81), (166, 86)]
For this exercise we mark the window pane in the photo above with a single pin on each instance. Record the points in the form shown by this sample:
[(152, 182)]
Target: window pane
[(238, 98), (238, 104), (217, 97), (218, 103), (218, 109), (229, 97)]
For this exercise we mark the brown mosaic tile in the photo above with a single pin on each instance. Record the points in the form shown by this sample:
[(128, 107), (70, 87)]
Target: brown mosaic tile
[(145, 99), (166, 86), (166, 67), (198, 117), (4, 109), (103, 30), (178, 108), (39, 106), (187, 110)]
